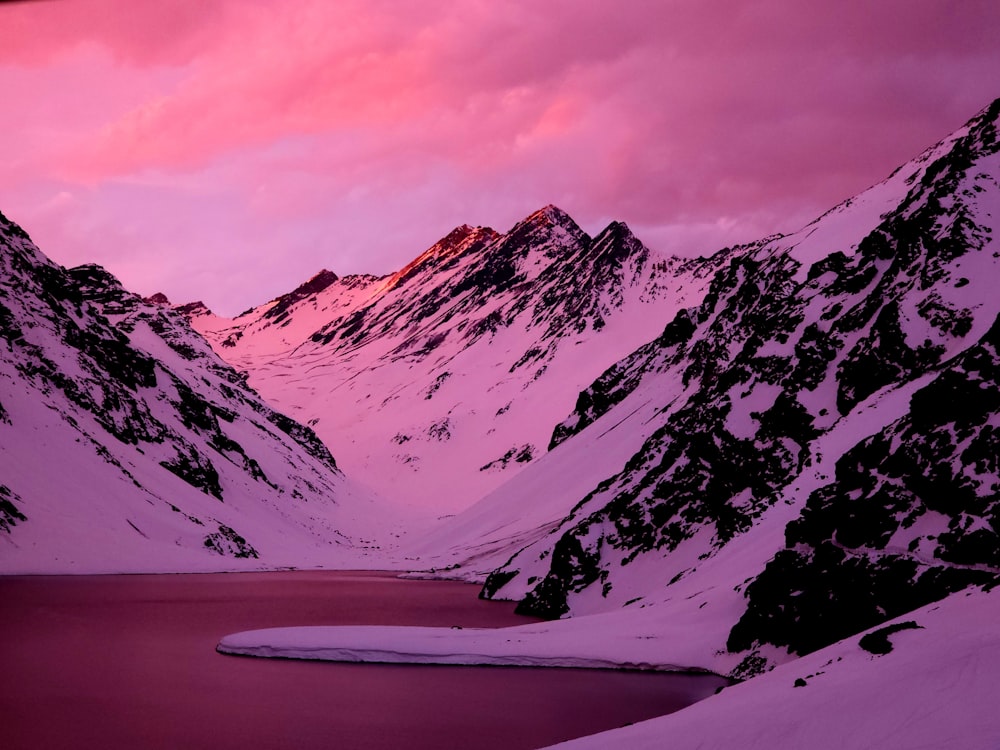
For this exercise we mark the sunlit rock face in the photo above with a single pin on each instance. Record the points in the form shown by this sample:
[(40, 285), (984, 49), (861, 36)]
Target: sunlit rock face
[(127, 444), (839, 384), (440, 382)]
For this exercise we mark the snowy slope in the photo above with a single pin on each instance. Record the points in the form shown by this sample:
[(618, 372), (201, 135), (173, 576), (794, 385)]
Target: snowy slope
[(437, 384), (935, 688), (798, 474), (127, 445)]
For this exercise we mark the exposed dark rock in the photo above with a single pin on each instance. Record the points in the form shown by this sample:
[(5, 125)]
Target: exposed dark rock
[(882, 358), (195, 469), (574, 567), (855, 557), (10, 516), (190, 309), (304, 436), (279, 310), (522, 455), (228, 543), (878, 643)]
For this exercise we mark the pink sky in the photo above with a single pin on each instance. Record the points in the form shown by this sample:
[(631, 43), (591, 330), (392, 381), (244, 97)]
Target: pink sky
[(228, 150)]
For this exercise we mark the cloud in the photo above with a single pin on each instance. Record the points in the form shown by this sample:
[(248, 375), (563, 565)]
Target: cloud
[(346, 129)]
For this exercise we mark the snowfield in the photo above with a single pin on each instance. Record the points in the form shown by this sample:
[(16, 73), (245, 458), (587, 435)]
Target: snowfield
[(936, 690)]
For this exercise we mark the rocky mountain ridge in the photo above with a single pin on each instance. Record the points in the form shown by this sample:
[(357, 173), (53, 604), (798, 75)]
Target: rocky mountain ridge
[(438, 383), (127, 444), (884, 305)]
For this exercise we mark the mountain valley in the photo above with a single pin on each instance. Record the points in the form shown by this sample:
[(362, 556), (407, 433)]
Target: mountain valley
[(783, 454)]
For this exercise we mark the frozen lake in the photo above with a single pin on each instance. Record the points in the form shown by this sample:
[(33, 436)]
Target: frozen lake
[(130, 662)]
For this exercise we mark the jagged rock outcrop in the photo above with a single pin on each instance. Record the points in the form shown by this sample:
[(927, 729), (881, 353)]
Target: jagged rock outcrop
[(912, 515)]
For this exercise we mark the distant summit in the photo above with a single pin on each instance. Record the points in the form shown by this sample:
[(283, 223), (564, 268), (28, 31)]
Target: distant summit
[(550, 216), (315, 285), (193, 309), (468, 354), (550, 227)]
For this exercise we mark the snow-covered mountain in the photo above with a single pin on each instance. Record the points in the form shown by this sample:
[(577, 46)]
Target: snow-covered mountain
[(785, 455), (808, 452), (126, 444), (437, 384), (800, 471)]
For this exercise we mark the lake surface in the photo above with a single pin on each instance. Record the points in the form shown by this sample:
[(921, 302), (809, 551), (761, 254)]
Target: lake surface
[(130, 662)]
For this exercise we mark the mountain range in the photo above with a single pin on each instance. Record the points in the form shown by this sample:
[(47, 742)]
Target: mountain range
[(724, 463), (438, 383), (820, 407)]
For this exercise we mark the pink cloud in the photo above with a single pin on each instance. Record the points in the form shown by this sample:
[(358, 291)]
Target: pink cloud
[(352, 134)]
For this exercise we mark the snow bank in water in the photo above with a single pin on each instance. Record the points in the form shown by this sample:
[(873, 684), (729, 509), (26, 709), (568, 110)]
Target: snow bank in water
[(600, 641), (401, 645)]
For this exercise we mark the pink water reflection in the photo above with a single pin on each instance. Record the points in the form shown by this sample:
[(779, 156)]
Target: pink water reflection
[(129, 661)]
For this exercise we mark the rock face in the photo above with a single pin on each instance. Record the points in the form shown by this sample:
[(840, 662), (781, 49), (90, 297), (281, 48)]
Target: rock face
[(438, 383), (913, 515), (846, 375), (127, 444)]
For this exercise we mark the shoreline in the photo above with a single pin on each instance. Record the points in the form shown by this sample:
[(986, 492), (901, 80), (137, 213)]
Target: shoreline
[(513, 646)]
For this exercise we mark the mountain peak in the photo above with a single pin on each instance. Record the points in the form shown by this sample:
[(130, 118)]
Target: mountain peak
[(92, 275), (460, 237), (191, 309), (618, 230), (550, 215), (313, 286), (159, 298), (457, 234), (459, 240), (317, 283), (549, 220), (96, 284)]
